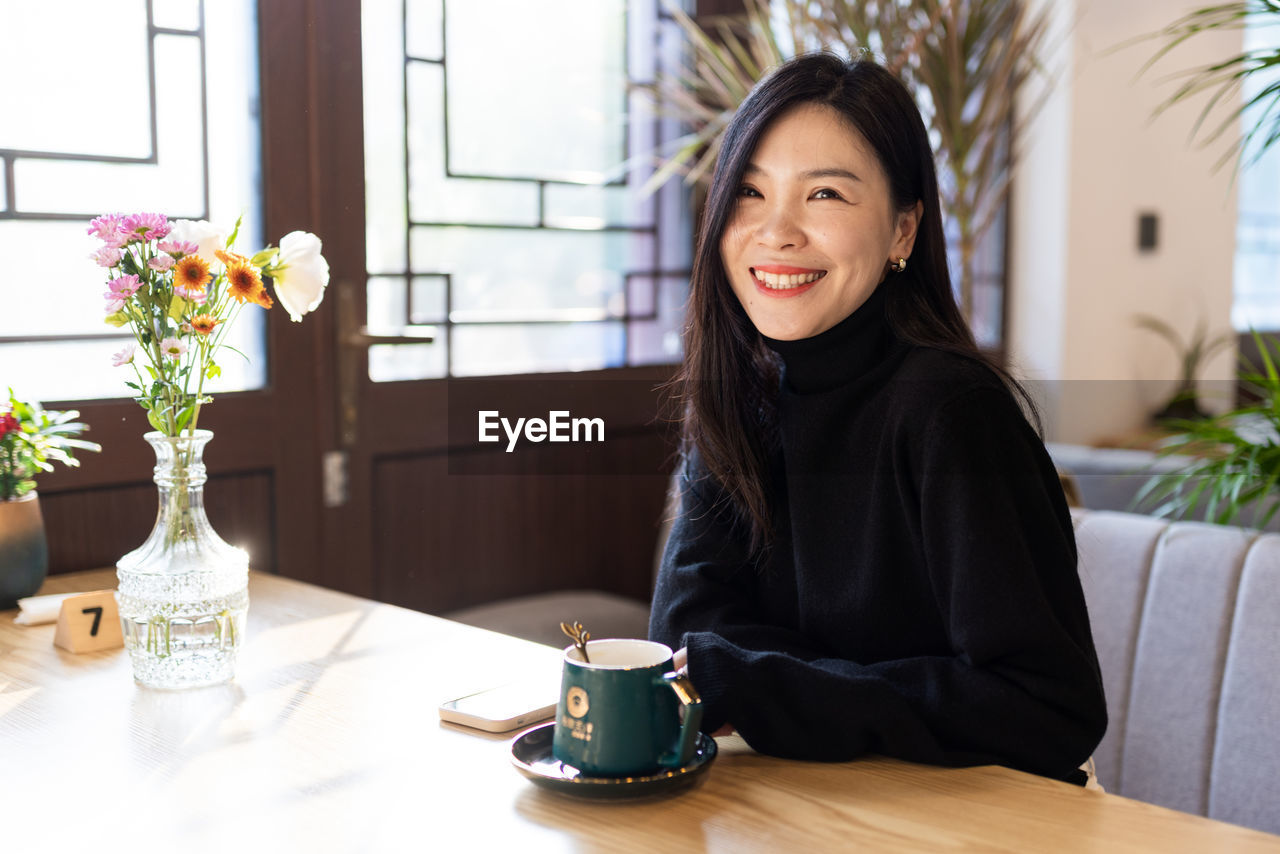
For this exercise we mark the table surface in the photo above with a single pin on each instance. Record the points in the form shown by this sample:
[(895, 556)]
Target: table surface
[(328, 740)]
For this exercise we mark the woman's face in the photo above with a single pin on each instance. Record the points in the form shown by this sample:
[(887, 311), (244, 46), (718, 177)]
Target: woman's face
[(813, 229)]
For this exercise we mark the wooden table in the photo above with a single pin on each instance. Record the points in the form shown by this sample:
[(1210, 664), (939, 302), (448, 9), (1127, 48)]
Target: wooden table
[(328, 740)]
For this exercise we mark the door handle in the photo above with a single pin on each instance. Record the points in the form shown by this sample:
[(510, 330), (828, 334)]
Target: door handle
[(354, 340)]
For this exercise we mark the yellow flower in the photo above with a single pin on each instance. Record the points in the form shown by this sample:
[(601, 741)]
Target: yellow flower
[(263, 298), (191, 273), (243, 280), (204, 323)]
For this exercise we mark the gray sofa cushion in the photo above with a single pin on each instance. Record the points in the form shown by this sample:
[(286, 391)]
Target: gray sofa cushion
[(1178, 666), (1186, 618), (1115, 558), (1245, 782)]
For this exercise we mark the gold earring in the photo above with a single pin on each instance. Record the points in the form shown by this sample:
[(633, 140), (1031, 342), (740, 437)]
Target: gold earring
[(900, 266)]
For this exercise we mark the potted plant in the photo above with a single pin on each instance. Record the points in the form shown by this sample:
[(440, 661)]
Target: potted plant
[(31, 440), (1233, 459), (1192, 354)]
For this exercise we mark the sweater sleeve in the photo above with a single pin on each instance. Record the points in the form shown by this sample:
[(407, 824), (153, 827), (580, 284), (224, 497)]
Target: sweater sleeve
[(1019, 685), (708, 581)]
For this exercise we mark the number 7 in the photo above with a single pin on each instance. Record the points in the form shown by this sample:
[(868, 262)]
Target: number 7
[(97, 618)]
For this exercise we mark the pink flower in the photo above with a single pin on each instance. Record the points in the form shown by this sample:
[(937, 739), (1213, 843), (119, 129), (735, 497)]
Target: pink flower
[(161, 262), (120, 291), (199, 296), (178, 248), (107, 256), (146, 226), (109, 228), (173, 348), (126, 286), (105, 226), (124, 357)]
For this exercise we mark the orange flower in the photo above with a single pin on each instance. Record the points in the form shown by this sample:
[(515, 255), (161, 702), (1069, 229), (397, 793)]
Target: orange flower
[(243, 281), (230, 258), (191, 273), (204, 323), (263, 298)]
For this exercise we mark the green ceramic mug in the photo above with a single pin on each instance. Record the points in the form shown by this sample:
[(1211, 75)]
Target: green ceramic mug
[(619, 715)]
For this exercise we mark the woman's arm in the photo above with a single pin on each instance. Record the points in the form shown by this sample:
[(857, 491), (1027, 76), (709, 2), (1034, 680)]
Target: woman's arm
[(1019, 685)]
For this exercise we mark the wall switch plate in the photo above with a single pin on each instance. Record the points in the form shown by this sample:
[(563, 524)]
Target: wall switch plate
[(1148, 231)]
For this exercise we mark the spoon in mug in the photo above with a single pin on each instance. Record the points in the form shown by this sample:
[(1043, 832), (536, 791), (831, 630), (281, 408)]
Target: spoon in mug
[(579, 636)]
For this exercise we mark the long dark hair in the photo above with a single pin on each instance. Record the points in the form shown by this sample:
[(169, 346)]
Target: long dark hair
[(729, 380)]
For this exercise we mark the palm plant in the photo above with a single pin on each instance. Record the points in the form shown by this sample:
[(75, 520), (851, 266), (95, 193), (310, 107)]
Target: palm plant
[(1227, 78), (965, 61), (1233, 459)]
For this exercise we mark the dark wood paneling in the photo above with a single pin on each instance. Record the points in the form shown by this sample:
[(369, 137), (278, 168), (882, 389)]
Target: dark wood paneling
[(449, 541), (93, 527)]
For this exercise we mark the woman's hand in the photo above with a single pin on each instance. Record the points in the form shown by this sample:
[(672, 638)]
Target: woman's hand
[(680, 660)]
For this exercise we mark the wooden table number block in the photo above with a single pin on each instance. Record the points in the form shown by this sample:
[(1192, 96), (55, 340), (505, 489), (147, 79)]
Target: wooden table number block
[(89, 622)]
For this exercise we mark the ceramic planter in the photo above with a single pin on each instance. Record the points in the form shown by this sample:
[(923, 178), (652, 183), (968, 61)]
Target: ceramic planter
[(24, 552)]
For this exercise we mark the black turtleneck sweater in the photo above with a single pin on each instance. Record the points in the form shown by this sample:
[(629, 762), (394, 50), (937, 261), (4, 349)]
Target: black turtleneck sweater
[(921, 598)]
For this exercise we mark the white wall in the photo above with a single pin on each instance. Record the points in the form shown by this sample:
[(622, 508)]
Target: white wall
[(1096, 159)]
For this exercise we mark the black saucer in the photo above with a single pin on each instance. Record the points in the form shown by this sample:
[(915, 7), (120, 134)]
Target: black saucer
[(531, 754)]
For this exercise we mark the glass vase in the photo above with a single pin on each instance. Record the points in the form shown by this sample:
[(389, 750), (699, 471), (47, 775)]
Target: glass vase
[(183, 593)]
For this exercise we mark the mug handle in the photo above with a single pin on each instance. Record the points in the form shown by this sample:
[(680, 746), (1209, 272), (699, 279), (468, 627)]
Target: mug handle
[(692, 703)]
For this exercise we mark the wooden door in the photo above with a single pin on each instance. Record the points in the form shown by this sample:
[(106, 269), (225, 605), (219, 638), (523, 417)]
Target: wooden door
[(404, 522)]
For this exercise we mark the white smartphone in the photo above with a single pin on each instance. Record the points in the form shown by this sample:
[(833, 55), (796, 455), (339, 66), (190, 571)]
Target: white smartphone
[(506, 707)]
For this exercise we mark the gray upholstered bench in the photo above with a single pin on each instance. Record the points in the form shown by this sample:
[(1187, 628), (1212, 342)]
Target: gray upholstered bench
[(1186, 617)]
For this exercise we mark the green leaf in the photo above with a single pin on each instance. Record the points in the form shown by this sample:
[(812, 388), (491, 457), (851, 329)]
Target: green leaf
[(117, 319), (212, 371), (260, 259), (184, 417), (156, 421), (178, 308), (231, 238)]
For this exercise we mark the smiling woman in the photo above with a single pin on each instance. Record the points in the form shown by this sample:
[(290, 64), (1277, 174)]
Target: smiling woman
[(824, 232), (873, 552)]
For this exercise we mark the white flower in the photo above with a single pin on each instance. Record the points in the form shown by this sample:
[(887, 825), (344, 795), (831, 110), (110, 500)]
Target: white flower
[(207, 236), (300, 273)]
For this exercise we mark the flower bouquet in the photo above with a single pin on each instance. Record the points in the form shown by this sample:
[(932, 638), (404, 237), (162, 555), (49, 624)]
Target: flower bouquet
[(179, 288)]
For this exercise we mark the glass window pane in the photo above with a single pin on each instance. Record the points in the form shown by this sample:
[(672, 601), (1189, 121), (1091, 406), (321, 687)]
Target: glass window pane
[(432, 196), (65, 270), (82, 370), (517, 349), (181, 184), (1256, 300), (518, 244), (66, 46), (392, 362), (175, 184), (386, 303), (566, 103), (657, 341), (386, 214), (176, 14), (517, 270), (429, 299), (585, 206), (425, 22)]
